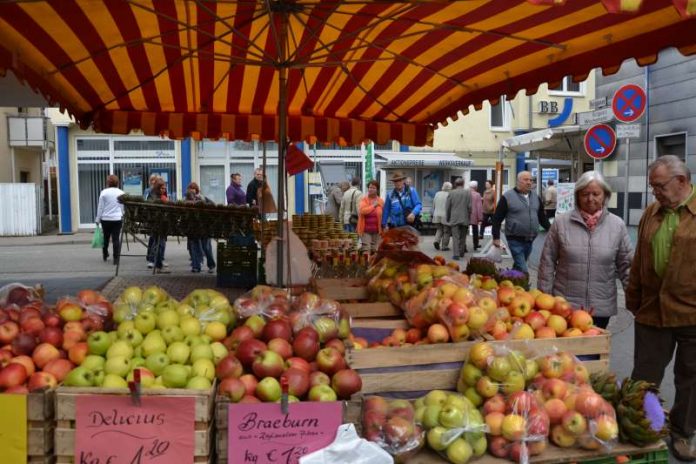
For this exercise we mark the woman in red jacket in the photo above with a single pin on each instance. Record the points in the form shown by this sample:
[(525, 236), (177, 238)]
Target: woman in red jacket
[(370, 217)]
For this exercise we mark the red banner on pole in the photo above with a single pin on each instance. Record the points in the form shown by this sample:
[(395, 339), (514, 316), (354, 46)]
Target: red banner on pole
[(296, 160)]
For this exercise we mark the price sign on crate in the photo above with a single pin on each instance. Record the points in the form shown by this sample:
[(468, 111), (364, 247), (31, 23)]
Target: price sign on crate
[(262, 433), (13, 428), (112, 430)]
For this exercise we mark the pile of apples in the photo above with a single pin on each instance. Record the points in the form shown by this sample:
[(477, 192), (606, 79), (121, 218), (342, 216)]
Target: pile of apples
[(579, 416), (170, 344), (266, 352), (40, 345), (455, 427), (392, 425)]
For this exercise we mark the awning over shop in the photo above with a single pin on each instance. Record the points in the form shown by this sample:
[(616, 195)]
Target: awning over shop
[(541, 139), (422, 160)]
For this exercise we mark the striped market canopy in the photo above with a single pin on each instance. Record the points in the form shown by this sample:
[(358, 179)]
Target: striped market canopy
[(344, 70)]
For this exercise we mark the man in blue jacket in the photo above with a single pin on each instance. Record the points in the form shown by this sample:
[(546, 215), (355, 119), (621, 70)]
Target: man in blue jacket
[(523, 212), (402, 205)]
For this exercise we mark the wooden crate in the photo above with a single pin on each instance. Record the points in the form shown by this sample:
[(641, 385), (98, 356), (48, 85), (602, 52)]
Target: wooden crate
[(65, 418), (341, 289), (351, 413), (40, 425)]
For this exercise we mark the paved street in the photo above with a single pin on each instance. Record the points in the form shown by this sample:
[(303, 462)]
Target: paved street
[(66, 264)]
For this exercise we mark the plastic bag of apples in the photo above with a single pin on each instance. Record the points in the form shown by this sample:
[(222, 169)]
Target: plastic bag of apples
[(325, 315), (579, 416), (455, 428), (17, 295), (262, 300), (518, 426), (393, 426)]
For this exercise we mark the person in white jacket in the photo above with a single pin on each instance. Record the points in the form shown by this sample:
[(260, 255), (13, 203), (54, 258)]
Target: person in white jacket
[(442, 234), (110, 216)]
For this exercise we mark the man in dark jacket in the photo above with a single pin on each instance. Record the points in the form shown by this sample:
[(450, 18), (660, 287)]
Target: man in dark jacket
[(253, 187), (458, 207), (523, 213)]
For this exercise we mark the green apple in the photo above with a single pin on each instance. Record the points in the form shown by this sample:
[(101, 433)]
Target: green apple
[(118, 365), (184, 310), (157, 362), (79, 377), (436, 397), (451, 417), (93, 362), (154, 295), (219, 351), (437, 438), (132, 336), (199, 383), (146, 308), (179, 352), (459, 451), (431, 416), (132, 295), (199, 297), (190, 326), (124, 327), (137, 362), (221, 316), (122, 312), (201, 351), (167, 318), (172, 334), (207, 339), (175, 376), (114, 381), (98, 342), (99, 377), (514, 382), (268, 389), (113, 336), (145, 322), (203, 368), (153, 345), (138, 351), (163, 306), (120, 348)]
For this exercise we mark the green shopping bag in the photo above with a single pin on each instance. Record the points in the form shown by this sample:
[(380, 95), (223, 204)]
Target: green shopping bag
[(98, 238)]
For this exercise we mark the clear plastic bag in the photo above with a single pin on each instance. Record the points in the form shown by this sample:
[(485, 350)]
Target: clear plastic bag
[(325, 315), (263, 300), (400, 238), (392, 425), (19, 294)]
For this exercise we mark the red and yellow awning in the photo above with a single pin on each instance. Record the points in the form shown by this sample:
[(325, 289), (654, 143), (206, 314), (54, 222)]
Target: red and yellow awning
[(356, 69)]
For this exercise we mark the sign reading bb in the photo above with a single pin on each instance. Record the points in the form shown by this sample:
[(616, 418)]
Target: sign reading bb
[(600, 141), (629, 103)]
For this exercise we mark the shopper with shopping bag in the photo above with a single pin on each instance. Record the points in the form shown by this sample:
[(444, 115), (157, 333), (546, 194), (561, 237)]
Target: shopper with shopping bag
[(110, 217)]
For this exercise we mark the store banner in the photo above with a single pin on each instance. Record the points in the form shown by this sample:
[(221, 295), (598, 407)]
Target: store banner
[(370, 162), (296, 161), (113, 429), (565, 197), (262, 433)]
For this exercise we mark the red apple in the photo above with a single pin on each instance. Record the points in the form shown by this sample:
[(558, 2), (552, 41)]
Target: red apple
[(249, 399), (330, 361), (17, 390), (298, 363), (13, 375), (41, 380), (310, 332), (92, 323), (248, 350), (51, 319), (78, 352), (250, 382), (25, 361), (339, 346), (306, 345), (280, 346), (69, 311), (52, 335), (32, 326), (8, 331), (298, 381), (345, 383), (229, 367), (5, 357), (233, 388), (4, 316), (28, 312), (277, 328), (238, 335), (24, 344), (45, 353), (318, 378), (71, 338), (59, 368)]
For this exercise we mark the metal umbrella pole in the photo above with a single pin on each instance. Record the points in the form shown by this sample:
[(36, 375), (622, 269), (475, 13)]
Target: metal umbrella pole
[(282, 137)]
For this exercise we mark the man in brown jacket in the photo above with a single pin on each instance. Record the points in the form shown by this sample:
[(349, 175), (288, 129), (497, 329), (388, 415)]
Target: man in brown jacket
[(661, 294)]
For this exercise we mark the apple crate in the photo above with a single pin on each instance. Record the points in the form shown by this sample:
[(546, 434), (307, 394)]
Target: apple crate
[(65, 418), (341, 289), (351, 413), (40, 425)]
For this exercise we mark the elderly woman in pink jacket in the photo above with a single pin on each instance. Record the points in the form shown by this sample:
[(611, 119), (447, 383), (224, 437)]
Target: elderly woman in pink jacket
[(476, 216)]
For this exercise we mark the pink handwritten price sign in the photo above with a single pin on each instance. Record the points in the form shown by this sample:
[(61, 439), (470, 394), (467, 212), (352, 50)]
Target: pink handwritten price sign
[(261, 433), (112, 430)]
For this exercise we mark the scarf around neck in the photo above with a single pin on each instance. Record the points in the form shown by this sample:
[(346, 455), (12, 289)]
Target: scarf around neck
[(591, 220)]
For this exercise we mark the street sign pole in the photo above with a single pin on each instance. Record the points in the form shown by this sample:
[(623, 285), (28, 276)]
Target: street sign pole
[(625, 199)]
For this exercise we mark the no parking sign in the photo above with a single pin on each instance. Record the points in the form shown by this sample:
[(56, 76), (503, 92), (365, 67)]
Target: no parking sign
[(600, 141), (629, 103)]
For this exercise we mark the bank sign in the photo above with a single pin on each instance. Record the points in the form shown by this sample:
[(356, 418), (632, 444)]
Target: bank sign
[(428, 163)]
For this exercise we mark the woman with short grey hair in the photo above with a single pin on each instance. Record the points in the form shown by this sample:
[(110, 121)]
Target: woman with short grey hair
[(442, 234), (586, 250)]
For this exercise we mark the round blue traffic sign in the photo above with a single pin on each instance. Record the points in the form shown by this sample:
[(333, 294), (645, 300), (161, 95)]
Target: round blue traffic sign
[(600, 141), (629, 103)]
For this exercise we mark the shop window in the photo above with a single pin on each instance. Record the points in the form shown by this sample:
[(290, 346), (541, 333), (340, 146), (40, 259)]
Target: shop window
[(91, 180), (671, 144), (568, 86), (213, 183), (91, 144)]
